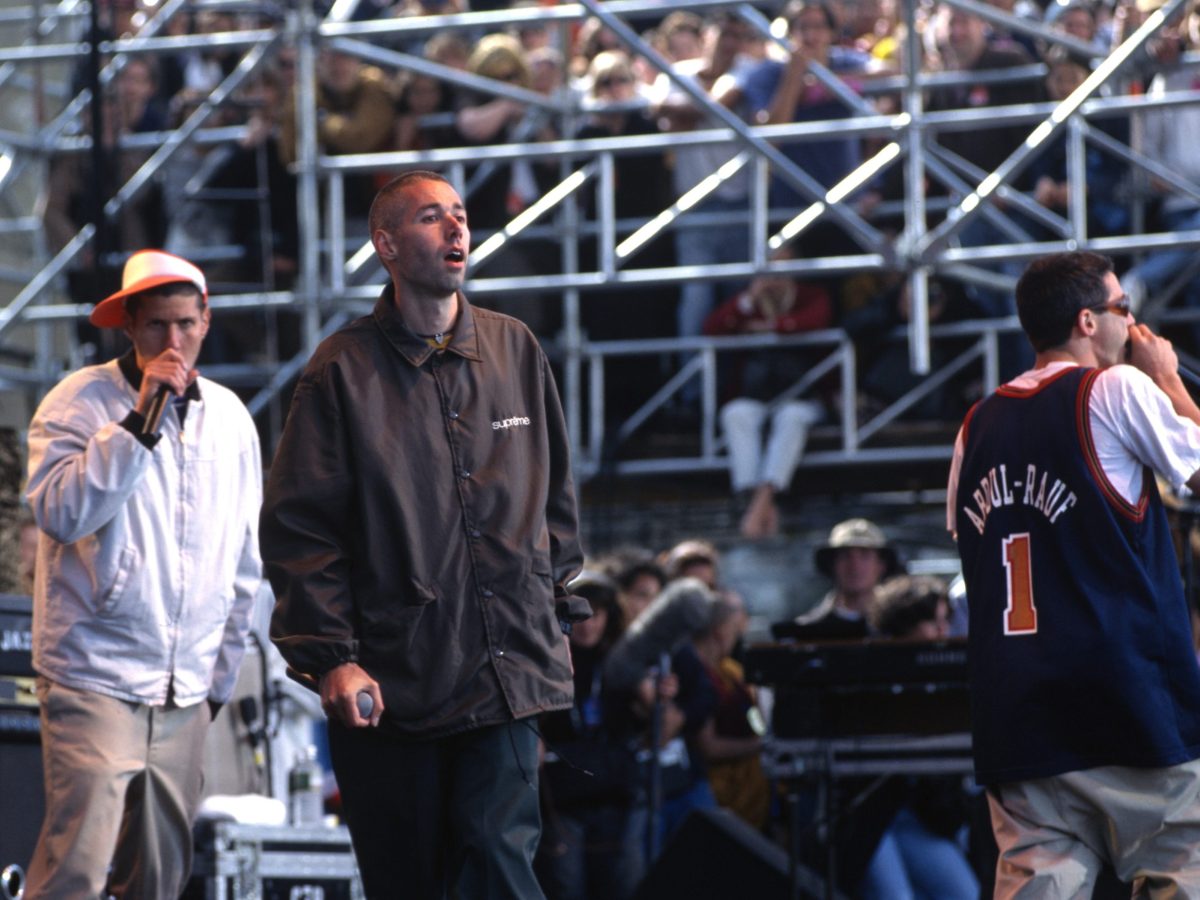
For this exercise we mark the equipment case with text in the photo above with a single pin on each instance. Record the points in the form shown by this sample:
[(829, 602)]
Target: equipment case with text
[(268, 862)]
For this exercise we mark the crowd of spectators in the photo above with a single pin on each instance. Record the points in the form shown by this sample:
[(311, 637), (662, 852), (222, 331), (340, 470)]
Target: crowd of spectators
[(233, 206), (700, 723), (821, 70), (697, 719), (694, 722)]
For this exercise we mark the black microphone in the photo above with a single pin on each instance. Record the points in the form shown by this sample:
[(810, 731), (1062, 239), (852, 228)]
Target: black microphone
[(682, 609), (248, 710), (157, 407)]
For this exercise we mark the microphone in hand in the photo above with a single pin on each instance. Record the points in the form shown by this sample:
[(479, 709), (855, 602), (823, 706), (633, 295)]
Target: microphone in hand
[(366, 705), (157, 407)]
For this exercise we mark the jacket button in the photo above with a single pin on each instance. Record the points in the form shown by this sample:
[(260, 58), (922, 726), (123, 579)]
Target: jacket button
[(499, 653), (464, 473), (487, 593), (475, 532), (453, 414)]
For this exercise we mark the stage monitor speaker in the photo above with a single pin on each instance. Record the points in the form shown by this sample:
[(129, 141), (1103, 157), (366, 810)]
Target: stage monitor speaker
[(716, 855), (21, 796)]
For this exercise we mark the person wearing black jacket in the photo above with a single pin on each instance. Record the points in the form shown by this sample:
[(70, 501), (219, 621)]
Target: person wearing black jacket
[(420, 525)]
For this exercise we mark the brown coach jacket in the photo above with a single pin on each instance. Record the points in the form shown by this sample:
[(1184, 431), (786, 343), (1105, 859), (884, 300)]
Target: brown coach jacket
[(420, 520)]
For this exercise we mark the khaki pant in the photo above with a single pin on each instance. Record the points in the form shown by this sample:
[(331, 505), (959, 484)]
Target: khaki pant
[(122, 784), (1055, 833)]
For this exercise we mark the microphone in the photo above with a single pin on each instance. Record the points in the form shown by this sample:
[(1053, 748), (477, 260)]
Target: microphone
[(365, 704), (248, 710), (362, 701), (158, 406), (682, 609)]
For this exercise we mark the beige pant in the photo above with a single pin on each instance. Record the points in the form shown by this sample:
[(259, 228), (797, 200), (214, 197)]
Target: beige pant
[(1055, 833), (122, 784)]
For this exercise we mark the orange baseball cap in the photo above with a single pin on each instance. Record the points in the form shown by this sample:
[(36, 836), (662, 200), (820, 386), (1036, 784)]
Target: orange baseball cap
[(144, 270)]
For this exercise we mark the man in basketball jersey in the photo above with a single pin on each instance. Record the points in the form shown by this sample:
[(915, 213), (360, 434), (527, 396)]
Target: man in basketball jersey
[(1086, 691)]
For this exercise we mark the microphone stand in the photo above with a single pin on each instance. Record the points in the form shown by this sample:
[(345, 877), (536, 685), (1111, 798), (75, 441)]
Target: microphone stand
[(269, 696), (654, 775)]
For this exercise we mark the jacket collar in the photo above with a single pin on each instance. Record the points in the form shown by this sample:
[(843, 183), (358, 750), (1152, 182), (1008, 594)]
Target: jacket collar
[(415, 349)]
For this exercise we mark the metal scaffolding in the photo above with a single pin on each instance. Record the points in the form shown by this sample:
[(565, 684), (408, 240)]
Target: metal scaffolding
[(338, 276)]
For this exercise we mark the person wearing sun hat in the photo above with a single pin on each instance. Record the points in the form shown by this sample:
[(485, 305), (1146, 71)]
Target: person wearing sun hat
[(858, 557), (147, 569)]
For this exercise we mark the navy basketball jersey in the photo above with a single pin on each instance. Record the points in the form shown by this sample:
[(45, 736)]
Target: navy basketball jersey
[(1080, 639)]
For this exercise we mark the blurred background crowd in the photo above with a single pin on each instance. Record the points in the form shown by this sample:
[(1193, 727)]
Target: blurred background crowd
[(232, 204)]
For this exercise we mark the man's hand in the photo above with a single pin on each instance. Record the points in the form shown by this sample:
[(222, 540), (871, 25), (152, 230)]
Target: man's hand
[(1155, 356), (339, 690), (1152, 353), (169, 370)]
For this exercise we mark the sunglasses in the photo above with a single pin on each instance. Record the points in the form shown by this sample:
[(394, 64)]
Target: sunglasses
[(1119, 307)]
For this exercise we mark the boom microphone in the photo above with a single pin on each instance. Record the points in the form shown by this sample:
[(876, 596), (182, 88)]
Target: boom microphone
[(682, 609)]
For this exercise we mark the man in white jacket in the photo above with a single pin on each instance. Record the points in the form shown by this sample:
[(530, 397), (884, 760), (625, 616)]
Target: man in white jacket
[(147, 568)]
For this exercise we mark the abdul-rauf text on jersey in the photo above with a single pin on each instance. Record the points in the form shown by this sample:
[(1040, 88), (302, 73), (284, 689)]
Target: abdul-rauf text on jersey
[(1051, 496)]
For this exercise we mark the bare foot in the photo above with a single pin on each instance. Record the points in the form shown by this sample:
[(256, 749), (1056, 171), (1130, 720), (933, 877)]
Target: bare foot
[(761, 519)]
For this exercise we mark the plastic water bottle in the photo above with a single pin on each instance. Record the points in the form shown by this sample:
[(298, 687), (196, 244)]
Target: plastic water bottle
[(306, 802)]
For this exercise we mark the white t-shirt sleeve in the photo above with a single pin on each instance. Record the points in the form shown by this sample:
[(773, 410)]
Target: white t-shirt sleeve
[(1134, 424), (952, 485)]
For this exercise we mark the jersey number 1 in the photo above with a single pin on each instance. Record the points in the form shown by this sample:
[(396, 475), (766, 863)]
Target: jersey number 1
[(1021, 615)]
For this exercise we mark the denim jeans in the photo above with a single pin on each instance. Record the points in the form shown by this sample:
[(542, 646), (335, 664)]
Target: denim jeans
[(587, 854), (913, 862)]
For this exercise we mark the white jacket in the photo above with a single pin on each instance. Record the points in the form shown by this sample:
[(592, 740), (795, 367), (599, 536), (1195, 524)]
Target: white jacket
[(147, 563)]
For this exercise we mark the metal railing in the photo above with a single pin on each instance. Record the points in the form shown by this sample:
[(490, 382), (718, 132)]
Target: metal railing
[(338, 275)]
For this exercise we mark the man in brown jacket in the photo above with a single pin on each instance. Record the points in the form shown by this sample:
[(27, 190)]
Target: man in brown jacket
[(420, 528)]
